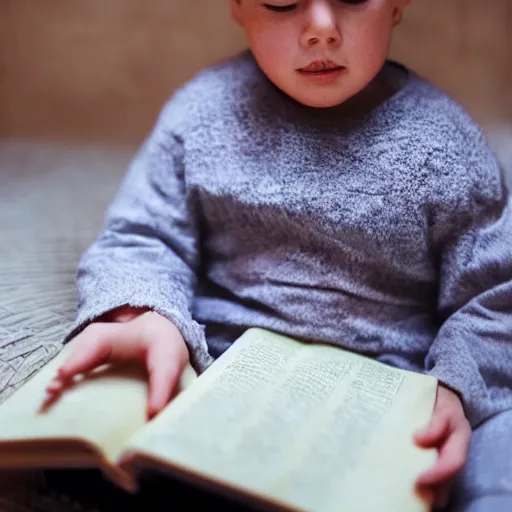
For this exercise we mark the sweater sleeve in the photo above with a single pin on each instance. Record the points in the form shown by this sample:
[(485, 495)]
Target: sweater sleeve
[(147, 254), (472, 241)]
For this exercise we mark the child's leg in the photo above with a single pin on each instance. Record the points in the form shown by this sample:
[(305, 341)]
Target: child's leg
[(486, 483)]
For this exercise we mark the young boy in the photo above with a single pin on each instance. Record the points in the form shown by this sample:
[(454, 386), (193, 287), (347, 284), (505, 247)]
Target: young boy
[(313, 188)]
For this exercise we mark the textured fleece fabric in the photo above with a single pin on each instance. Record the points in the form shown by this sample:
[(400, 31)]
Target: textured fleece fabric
[(387, 231)]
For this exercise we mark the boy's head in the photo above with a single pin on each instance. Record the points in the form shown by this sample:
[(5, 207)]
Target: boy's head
[(319, 52)]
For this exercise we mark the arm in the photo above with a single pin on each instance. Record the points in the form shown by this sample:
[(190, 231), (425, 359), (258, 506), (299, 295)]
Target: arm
[(472, 241), (147, 255)]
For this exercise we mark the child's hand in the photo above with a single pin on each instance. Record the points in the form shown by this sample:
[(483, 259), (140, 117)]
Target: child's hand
[(135, 335), (449, 431)]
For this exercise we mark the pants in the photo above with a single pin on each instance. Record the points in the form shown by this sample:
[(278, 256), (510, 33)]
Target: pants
[(485, 485)]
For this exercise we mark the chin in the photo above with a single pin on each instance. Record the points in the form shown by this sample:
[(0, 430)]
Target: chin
[(322, 103), (319, 100), (320, 96)]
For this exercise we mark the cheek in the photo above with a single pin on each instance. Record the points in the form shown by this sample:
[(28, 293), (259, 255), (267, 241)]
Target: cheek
[(368, 48), (274, 49)]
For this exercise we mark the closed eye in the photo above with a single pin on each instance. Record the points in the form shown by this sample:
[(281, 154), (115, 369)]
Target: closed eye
[(292, 7), (280, 8)]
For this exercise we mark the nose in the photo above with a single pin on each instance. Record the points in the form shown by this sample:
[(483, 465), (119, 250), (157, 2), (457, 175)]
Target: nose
[(321, 27)]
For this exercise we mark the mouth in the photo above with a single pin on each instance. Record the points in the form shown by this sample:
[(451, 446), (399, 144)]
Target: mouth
[(321, 67)]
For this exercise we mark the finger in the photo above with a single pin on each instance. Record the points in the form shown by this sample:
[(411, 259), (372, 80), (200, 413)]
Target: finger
[(55, 386), (436, 431), (48, 400), (426, 494), (438, 497), (442, 495), (165, 363), (99, 344), (52, 392), (452, 457)]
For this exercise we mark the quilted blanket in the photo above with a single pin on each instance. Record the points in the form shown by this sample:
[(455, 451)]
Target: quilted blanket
[(52, 201)]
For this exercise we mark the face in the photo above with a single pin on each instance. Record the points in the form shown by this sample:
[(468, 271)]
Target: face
[(319, 52)]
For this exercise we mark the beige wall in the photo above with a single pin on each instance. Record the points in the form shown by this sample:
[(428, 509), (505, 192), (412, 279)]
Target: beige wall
[(466, 47), (102, 68)]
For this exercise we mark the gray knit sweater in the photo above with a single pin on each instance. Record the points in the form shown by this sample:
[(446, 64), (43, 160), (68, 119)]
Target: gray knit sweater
[(388, 232)]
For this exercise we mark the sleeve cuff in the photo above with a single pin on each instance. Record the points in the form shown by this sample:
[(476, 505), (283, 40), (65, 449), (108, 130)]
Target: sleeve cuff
[(471, 390), (168, 301)]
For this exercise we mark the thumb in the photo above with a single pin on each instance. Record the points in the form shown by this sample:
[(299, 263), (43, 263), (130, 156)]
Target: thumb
[(99, 344), (96, 345), (166, 360)]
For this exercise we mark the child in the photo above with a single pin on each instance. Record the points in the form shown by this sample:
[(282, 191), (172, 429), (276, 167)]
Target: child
[(313, 188)]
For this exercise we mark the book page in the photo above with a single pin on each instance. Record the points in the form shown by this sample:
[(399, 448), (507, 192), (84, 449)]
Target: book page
[(309, 427), (103, 410)]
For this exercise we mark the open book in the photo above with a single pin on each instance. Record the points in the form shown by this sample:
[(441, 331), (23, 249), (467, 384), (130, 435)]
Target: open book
[(280, 423)]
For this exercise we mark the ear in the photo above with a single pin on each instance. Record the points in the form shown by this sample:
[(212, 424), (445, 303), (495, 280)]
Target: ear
[(397, 16), (399, 9), (236, 5)]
